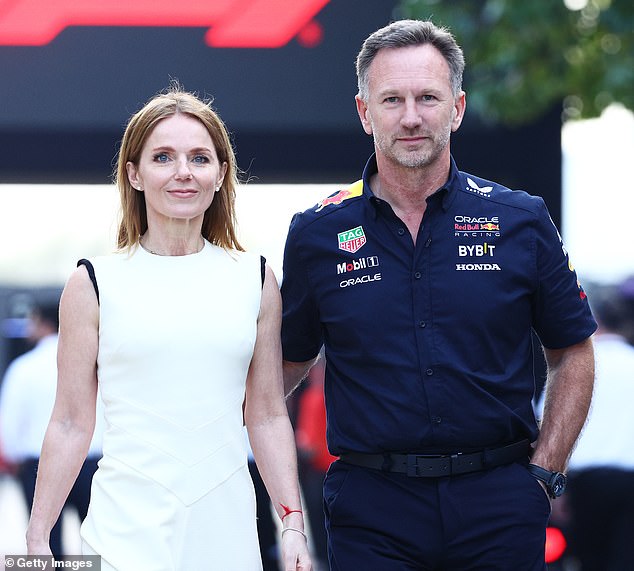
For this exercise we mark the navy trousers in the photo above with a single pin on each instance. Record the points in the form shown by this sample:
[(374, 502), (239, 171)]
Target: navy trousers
[(493, 520)]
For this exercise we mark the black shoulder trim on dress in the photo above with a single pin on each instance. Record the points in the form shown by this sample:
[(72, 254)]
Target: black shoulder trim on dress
[(91, 274), (263, 268)]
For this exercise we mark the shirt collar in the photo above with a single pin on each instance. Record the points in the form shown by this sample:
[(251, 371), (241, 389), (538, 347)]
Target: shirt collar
[(446, 193)]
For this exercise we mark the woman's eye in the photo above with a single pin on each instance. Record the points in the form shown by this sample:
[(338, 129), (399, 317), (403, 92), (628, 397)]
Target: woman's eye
[(161, 157), (201, 159)]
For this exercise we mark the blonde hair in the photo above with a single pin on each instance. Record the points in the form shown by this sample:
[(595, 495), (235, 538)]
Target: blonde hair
[(219, 222)]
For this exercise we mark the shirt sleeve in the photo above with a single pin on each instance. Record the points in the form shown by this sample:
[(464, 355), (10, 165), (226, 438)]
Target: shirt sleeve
[(301, 328), (561, 314)]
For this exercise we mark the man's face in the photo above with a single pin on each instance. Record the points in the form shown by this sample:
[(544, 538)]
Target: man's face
[(410, 109)]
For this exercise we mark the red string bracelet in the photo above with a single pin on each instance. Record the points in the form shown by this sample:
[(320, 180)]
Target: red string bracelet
[(288, 511)]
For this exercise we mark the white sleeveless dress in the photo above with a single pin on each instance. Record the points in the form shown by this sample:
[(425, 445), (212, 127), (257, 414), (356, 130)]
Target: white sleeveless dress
[(176, 336)]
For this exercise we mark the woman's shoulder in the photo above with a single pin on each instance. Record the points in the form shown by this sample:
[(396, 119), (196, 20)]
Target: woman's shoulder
[(240, 256), (113, 257)]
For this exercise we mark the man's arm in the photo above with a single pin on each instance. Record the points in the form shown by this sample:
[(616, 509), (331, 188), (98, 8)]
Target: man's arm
[(568, 394), (295, 373)]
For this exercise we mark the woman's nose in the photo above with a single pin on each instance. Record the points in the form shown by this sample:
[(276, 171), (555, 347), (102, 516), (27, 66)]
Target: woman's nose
[(182, 169)]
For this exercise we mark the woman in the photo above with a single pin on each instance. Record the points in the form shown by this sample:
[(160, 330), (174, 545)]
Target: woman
[(180, 329)]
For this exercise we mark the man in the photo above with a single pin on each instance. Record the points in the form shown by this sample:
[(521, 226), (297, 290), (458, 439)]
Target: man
[(26, 402), (424, 283)]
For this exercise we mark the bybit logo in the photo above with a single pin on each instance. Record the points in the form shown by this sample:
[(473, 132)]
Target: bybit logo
[(477, 250)]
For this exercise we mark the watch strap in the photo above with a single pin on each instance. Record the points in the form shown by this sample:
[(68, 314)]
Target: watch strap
[(540, 473), (555, 482)]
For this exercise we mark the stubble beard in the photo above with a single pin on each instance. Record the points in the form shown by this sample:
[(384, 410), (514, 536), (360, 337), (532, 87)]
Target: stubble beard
[(417, 158)]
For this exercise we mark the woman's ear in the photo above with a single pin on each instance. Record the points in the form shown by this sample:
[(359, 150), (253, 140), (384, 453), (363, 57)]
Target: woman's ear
[(133, 175)]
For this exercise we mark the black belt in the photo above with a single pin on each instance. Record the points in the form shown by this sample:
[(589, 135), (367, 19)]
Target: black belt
[(436, 465)]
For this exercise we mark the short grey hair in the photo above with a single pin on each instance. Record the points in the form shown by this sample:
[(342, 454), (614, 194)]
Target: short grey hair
[(405, 33)]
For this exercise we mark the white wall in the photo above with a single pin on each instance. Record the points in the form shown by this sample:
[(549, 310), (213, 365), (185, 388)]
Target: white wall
[(598, 195)]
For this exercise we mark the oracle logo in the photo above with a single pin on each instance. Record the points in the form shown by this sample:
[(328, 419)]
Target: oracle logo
[(231, 23)]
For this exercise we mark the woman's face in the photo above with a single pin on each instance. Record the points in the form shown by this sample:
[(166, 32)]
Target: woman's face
[(178, 170)]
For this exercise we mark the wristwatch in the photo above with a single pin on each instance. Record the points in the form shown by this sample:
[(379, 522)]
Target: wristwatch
[(555, 482)]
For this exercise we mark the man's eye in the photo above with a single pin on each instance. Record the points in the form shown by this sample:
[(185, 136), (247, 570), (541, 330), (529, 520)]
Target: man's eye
[(391, 99)]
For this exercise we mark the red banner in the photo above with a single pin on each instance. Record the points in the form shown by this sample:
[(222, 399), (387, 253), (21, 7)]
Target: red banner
[(231, 23)]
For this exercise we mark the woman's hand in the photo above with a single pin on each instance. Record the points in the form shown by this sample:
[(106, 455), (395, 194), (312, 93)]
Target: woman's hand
[(38, 547), (295, 556)]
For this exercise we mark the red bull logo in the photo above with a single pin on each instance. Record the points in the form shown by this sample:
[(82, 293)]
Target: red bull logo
[(337, 198), (232, 23), (355, 189), (489, 226)]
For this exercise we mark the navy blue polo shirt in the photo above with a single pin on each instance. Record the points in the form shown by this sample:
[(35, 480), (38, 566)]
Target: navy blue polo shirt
[(428, 346)]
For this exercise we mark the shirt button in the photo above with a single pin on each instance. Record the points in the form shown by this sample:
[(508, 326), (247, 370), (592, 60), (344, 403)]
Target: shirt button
[(418, 275), (422, 324), (436, 419), (401, 231), (429, 372)]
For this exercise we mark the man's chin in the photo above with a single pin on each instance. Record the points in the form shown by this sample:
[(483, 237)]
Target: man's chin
[(413, 161)]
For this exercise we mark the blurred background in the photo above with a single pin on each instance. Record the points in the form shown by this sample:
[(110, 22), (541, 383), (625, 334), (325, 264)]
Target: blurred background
[(550, 93)]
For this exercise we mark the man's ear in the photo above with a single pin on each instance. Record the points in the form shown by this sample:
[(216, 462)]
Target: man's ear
[(364, 114), (460, 105)]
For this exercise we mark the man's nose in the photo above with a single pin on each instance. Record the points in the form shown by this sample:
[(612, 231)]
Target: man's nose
[(411, 115)]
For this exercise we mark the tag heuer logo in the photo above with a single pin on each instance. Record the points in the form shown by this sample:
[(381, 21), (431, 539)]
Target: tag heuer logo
[(351, 240)]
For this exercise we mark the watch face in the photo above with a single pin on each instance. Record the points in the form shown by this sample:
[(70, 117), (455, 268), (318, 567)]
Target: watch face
[(558, 485)]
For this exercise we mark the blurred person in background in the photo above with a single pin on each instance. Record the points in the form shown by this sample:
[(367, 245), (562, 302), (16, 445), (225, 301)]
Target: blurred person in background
[(425, 284), (179, 330), (26, 403), (626, 292), (601, 470)]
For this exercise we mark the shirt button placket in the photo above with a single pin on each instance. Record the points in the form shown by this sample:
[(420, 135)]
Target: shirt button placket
[(417, 276)]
